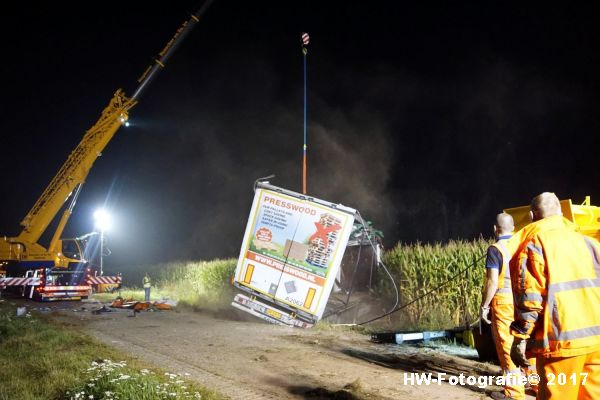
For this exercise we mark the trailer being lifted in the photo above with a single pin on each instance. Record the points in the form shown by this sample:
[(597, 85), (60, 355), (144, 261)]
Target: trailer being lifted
[(290, 256)]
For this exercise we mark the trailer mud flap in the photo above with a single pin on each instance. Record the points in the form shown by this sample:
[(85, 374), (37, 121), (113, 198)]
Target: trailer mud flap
[(267, 312)]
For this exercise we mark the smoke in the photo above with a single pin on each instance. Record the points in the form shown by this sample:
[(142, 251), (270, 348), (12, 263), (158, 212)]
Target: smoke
[(195, 168), (351, 158), (424, 158)]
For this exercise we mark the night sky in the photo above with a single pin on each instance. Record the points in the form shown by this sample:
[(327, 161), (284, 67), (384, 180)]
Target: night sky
[(427, 117)]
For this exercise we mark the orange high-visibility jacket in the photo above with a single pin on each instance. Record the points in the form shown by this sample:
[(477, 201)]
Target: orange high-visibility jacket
[(557, 290), (504, 290)]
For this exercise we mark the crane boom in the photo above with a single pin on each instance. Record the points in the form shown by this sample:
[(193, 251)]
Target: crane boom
[(170, 47), (60, 271), (75, 170)]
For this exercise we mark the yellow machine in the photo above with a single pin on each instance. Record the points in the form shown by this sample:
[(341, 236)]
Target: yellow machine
[(585, 216), (60, 270), (24, 248)]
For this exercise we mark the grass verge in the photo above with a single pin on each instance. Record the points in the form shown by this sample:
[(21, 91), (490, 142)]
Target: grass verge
[(44, 360), (195, 284)]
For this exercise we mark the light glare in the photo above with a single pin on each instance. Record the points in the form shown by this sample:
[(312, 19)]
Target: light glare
[(103, 220)]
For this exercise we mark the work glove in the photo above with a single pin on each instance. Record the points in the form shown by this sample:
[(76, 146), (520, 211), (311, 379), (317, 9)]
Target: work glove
[(484, 314), (517, 353)]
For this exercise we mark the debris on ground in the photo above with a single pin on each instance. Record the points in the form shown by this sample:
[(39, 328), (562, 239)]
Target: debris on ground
[(117, 303), (103, 309), (143, 305), (162, 306)]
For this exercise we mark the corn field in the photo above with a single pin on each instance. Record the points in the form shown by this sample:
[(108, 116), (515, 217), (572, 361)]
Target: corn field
[(195, 283), (418, 268)]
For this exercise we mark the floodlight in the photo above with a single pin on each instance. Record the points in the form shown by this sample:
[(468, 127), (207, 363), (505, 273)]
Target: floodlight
[(103, 220)]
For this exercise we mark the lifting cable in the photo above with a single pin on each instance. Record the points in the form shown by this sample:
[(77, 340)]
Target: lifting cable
[(362, 221), (452, 278), (396, 308), (345, 306)]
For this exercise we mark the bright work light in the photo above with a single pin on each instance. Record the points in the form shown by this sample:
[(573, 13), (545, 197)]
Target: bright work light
[(103, 220), (103, 223)]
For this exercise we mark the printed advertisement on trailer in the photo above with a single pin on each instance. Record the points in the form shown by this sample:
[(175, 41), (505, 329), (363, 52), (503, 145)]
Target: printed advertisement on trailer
[(292, 250)]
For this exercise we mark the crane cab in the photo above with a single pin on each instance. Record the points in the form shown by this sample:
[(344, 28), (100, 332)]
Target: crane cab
[(58, 276)]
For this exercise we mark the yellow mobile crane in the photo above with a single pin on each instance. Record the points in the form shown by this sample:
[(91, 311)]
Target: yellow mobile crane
[(60, 270)]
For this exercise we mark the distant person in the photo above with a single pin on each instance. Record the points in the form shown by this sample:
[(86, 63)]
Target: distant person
[(120, 283), (557, 293), (147, 286), (497, 306)]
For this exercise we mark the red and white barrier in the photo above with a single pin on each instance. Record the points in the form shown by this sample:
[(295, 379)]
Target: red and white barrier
[(104, 280), (4, 282)]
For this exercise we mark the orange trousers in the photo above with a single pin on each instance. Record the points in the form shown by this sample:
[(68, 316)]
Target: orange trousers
[(502, 316), (563, 378)]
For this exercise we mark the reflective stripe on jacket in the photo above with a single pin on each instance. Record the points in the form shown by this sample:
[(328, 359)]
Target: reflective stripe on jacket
[(504, 286), (557, 290)]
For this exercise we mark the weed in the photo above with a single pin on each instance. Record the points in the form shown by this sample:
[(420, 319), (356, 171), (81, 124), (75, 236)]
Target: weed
[(47, 361)]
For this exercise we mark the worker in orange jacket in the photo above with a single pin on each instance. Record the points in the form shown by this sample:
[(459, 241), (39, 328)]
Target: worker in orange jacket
[(498, 301), (557, 291)]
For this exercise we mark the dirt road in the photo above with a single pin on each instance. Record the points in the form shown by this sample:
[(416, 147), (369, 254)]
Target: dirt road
[(253, 360)]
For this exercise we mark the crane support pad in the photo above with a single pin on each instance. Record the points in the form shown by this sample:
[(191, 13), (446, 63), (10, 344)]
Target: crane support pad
[(402, 337)]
